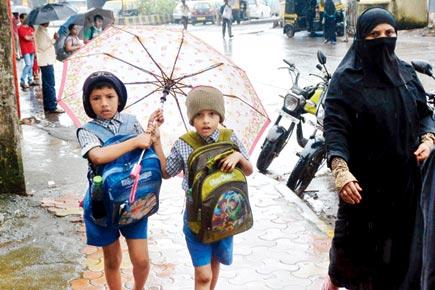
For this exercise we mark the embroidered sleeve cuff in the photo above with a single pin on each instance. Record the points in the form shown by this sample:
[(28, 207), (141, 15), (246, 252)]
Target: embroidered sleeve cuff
[(429, 138), (341, 173)]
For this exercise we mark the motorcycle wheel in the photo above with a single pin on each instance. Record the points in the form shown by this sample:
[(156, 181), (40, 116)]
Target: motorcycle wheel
[(267, 154), (305, 170)]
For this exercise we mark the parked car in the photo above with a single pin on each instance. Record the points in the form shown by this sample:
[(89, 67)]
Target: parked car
[(122, 8), (203, 11), (257, 9)]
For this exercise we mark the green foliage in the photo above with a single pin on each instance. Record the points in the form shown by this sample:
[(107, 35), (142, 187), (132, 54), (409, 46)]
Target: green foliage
[(159, 7)]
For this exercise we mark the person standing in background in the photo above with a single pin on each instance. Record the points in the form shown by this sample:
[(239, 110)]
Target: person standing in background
[(185, 11), (330, 26), (27, 45), (47, 57)]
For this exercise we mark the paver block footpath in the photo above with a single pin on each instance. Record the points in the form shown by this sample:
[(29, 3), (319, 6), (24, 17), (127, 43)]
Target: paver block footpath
[(283, 250)]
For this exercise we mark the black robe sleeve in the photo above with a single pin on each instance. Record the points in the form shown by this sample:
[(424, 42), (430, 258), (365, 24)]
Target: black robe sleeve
[(337, 123)]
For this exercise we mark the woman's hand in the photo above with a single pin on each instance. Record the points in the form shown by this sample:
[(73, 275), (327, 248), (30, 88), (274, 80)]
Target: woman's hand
[(423, 152), (228, 163), (350, 193)]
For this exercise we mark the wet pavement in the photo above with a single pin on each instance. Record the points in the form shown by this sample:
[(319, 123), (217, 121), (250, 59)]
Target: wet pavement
[(286, 249)]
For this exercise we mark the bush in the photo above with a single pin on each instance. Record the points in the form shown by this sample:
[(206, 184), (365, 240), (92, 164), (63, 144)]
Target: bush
[(160, 7)]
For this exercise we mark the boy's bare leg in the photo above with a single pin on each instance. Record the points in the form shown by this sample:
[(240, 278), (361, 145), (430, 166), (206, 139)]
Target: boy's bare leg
[(215, 267), (203, 277), (112, 265), (138, 250)]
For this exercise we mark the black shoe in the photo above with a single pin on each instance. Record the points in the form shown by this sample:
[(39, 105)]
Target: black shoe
[(231, 36), (55, 111), (24, 87), (34, 84)]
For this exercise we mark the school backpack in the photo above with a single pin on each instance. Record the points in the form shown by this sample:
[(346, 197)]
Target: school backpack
[(59, 48), (217, 203), (121, 209)]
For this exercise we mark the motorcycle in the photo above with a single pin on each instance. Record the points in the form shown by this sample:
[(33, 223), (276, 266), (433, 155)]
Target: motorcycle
[(314, 153), (297, 102)]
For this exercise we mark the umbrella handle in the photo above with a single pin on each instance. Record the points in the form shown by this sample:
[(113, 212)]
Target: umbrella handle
[(137, 169)]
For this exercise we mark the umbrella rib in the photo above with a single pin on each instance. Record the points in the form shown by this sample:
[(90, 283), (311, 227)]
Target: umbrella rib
[(146, 96), (178, 53), (142, 83), (179, 110), (146, 50), (246, 103), (135, 66), (199, 72)]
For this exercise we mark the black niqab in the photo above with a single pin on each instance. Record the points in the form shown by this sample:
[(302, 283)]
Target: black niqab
[(376, 58)]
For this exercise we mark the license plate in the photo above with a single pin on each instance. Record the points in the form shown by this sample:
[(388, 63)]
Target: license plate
[(200, 18), (284, 115)]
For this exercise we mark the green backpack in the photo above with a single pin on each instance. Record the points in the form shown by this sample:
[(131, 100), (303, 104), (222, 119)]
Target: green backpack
[(217, 203)]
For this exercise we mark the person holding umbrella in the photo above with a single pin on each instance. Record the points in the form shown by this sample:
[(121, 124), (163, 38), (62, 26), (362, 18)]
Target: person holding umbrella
[(72, 42), (104, 99), (206, 112), (27, 45), (378, 129), (95, 30), (47, 57)]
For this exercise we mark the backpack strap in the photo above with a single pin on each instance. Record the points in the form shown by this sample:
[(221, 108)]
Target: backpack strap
[(127, 125), (101, 132), (193, 139), (225, 135)]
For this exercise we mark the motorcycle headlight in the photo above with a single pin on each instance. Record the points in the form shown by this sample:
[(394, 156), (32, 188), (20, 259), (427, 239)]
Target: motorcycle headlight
[(291, 102)]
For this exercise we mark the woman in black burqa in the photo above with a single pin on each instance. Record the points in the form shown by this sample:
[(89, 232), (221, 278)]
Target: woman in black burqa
[(378, 128), (330, 26)]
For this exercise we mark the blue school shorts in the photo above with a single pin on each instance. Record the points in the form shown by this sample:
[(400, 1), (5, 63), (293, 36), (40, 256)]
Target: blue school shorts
[(202, 253), (103, 236)]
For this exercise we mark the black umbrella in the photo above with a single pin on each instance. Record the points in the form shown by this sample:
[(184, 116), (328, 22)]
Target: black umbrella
[(49, 12)]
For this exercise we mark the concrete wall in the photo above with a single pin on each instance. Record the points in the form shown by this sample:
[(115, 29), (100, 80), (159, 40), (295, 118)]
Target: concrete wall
[(408, 13)]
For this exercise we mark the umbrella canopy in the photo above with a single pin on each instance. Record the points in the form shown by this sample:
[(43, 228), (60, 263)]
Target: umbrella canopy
[(87, 19), (158, 61), (20, 9), (49, 12)]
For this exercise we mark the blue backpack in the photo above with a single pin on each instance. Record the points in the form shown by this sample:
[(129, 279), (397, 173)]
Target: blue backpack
[(120, 207)]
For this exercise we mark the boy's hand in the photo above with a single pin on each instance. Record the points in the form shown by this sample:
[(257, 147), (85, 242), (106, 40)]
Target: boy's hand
[(157, 117), (155, 134), (144, 140), (229, 163)]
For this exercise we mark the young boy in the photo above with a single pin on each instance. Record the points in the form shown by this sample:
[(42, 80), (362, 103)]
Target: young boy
[(104, 97), (205, 110)]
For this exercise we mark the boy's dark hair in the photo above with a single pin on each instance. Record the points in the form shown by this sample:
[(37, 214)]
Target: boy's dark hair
[(98, 16), (23, 15), (71, 26), (99, 80)]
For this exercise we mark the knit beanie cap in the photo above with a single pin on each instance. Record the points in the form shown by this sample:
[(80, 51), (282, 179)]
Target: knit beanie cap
[(103, 77), (205, 98)]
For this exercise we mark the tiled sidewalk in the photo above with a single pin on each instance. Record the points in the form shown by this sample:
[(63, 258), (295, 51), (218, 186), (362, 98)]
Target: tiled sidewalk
[(286, 249)]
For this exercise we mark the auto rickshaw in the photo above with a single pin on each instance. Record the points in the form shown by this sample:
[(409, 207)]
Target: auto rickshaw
[(308, 15)]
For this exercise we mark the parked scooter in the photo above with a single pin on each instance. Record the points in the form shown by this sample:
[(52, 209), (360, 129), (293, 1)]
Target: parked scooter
[(296, 103), (314, 152)]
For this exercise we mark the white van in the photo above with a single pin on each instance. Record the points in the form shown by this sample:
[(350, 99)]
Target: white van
[(257, 9)]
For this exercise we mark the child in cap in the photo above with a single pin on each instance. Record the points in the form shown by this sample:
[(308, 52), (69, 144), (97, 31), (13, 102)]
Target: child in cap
[(205, 110), (104, 97)]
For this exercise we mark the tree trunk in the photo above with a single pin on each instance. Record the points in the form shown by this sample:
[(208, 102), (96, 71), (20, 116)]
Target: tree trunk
[(11, 165)]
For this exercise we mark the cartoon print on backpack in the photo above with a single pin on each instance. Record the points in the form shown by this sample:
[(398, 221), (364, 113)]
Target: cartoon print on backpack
[(230, 212)]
